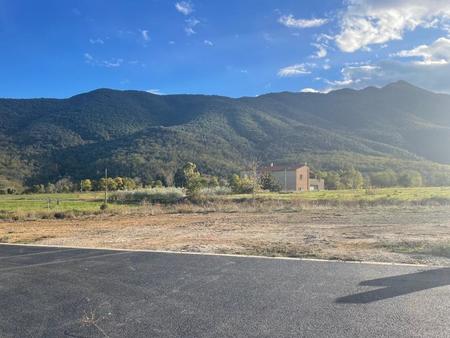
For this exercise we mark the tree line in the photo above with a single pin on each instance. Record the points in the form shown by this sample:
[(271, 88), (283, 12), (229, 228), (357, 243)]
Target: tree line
[(353, 179), (192, 180)]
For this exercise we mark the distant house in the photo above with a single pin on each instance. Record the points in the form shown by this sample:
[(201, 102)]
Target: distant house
[(294, 177), (316, 184)]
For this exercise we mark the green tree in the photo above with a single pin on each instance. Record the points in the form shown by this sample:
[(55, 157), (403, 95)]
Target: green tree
[(64, 185), (268, 182), (332, 180), (129, 184), (179, 179), (410, 178), (194, 181), (50, 188), (86, 185), (38, 189), (213, 182), (119, 183), (107, 182), (242, 185), (351, 179), (382, 179)]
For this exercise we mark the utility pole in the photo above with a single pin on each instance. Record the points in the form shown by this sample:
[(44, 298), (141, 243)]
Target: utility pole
[(106, 186), (254, 167), (285, 179)]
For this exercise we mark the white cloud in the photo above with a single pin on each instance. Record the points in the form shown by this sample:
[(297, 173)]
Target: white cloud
[(145, 35), (208, 43), (292, 22), (321, 51), (189, 30), (190, 24), (353, 76), (309, 90), (88, 57), (97, 41), (437, 53), (154, 91), (429, 76), (366, 22), (184, 7), (112, 63), (294, 70)]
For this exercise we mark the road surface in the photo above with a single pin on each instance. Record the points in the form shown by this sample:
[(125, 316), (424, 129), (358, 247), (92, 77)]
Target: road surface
[(62, 292)]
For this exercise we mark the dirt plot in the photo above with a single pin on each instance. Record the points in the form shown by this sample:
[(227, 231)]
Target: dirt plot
[(416, 234)]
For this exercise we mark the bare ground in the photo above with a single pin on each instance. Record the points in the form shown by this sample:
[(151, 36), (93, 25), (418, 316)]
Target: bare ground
[(389, 234)]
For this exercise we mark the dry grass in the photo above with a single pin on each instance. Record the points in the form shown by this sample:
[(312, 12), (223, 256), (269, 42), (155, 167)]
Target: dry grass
[(48, 206), (271, 228)]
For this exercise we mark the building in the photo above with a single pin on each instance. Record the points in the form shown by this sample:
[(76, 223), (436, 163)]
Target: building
[(316, 184), (294, 177)]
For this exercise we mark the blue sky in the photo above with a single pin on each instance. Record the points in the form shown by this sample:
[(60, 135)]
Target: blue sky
[(233, 48)]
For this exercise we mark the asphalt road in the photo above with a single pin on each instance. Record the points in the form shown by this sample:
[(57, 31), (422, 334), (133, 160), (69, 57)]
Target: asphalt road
[(54, 292)]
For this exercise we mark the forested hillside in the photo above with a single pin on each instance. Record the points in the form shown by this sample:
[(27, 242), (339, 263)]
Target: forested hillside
[(138, 134)]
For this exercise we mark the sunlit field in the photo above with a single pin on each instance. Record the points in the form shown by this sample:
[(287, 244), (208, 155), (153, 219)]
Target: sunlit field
[(90, 202), (77, 202), (394, 195)]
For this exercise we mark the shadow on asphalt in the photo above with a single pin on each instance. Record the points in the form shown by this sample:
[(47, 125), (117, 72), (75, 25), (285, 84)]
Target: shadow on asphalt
[(399, 285)]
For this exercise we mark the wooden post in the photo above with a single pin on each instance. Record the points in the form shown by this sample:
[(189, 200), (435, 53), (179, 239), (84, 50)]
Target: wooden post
[(106, 186)]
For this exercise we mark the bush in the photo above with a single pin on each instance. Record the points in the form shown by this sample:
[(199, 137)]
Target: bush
[(410, 178), (64, 185), (332, 180), (384, 179), (268, 182), (215, 191), (351, 179), (86, 185), (242, 185), (152, 195)]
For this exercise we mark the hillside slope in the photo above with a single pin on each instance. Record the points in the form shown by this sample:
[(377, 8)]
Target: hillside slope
[(140, 134)]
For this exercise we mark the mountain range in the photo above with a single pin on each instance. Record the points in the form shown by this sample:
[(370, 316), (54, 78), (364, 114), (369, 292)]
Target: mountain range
[(139, 134)]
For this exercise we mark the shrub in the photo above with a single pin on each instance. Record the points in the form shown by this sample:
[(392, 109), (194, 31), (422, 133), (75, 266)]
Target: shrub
[(383, 179), (152, 195), (242, 185), (268, 182), (351, 179), (410, 178), (86, 185), (215, 191)]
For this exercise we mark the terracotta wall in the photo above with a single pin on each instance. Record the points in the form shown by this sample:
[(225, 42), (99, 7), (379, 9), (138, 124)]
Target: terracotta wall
[(302, 178)]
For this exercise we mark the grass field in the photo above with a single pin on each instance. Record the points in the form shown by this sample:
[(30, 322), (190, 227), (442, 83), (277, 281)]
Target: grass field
[(43, 204), (46, 205), (395, 195)]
